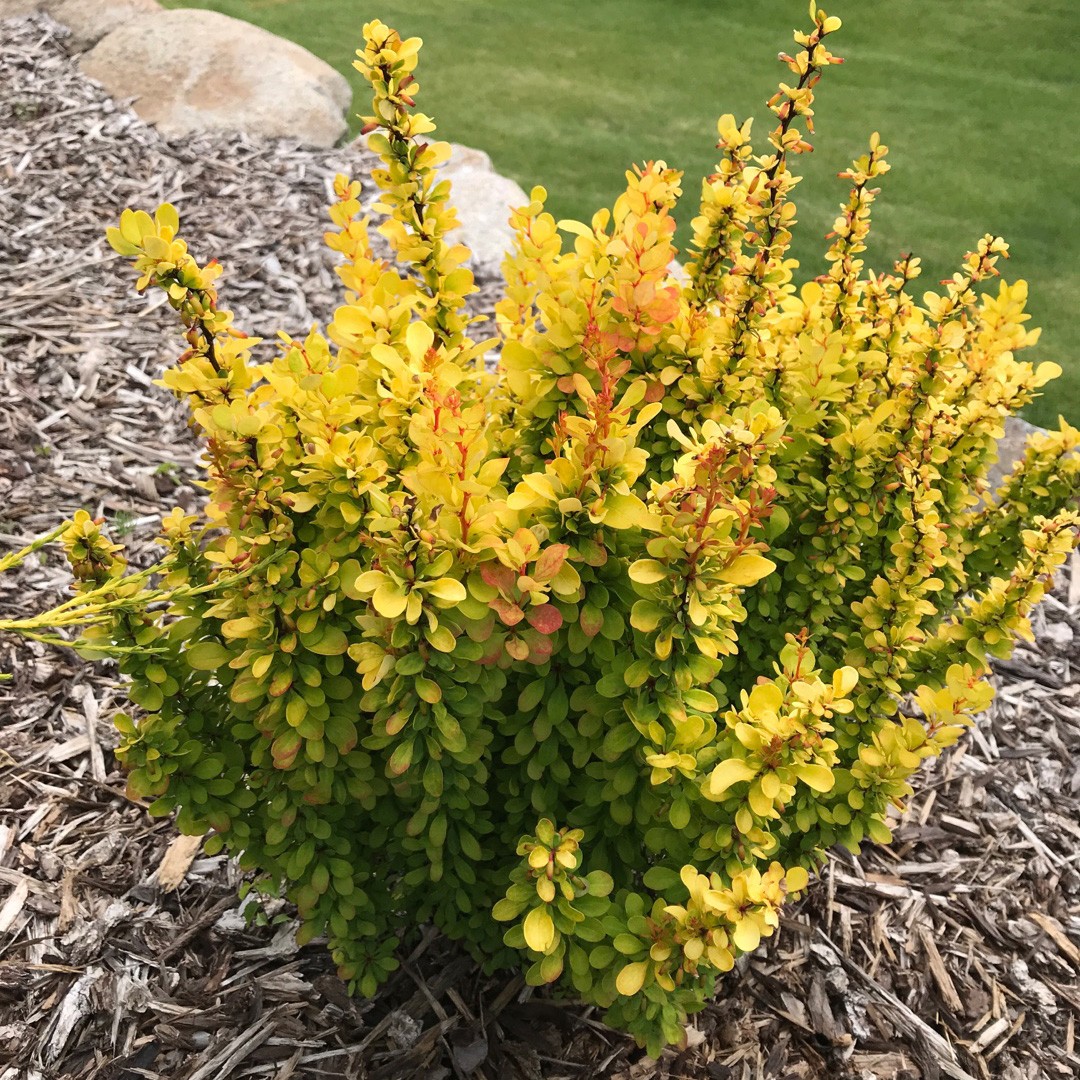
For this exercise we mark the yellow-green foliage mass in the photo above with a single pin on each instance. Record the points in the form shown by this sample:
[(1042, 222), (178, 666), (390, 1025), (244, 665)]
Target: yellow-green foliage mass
[(586, 657)]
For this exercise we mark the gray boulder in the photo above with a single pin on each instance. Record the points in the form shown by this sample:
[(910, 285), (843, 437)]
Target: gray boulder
[(90, 20), (190, 71)]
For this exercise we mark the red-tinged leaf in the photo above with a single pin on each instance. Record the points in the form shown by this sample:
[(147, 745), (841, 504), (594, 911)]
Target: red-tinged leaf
[(591, 620), (481, 631), (397, 722), (550, 560), (547, 618), (498, 577), (508, 612), (400, 759), (494, 652), (285, 748), (592, 553), (539, 647)]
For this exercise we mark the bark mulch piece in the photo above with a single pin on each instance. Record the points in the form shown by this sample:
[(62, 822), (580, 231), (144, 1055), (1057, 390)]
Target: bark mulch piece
[(124, 953)]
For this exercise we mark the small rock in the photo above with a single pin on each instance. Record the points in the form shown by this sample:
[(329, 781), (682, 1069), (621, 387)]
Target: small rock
[(230, 76)]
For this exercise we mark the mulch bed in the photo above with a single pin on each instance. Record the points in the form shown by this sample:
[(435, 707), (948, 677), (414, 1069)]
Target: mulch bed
[(124, 953)]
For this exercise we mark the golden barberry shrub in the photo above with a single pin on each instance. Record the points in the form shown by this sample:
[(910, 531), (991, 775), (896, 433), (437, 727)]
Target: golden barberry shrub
[(587, 655)]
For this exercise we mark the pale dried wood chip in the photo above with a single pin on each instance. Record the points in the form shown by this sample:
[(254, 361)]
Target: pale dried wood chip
[(988, 1035), (69, 904), (1052, 928), (177, 860), (939, 971), (13, 905)]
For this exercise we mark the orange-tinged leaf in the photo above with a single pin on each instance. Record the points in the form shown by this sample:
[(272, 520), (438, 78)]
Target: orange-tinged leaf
[(549, 562), (510, 614)]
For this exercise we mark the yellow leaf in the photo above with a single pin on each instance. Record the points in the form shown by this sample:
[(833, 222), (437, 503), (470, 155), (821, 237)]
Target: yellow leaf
[(1046, 372), (575, 227), (238, 628), (747, 935), (119, 243), (647, 572), (418, 339), (539, 930), (760, 803), (797, 879), (447, 590), (390, 600), (770, 784), (732, 771), (818, 777), (844, 681), (301, 501), (765, 698), (632, 978), (625, 512), (645, 616), (747, 569)]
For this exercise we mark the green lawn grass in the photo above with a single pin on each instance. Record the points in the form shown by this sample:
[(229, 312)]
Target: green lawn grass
[(975, 100)]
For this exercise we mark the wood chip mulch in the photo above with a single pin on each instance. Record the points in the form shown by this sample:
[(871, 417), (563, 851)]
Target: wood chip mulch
[(123, 952)]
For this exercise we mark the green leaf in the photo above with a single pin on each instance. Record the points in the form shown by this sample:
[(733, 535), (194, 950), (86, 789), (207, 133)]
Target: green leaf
[(599, 883), (332, 643), (679, 814), (663, 881), (206, 656)]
